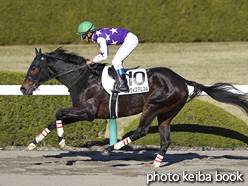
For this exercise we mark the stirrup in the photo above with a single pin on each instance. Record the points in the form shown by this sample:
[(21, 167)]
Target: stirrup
[(125, 89), (122, 89), (117, 88)]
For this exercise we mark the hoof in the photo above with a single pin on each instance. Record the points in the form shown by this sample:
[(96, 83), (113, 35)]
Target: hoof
[(156, 164), (66, 148), (31, 146), (105, 152), (62, 144)]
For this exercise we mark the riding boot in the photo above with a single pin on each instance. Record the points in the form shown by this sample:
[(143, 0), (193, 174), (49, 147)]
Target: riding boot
[(121, 84)]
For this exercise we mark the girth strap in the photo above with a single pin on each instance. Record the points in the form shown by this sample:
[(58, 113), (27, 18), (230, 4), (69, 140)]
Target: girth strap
[(113, 105)]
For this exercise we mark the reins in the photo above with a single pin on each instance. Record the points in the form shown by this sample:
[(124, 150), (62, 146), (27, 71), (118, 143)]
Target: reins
[(43, 69)]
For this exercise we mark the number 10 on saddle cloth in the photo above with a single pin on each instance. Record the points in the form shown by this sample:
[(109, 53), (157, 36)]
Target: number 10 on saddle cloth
[(136, 79)]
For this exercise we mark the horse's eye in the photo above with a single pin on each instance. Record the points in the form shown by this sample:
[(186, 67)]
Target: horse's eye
[(32, 67)]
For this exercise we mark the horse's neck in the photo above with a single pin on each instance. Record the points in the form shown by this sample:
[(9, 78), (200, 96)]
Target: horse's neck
[(56, 68)]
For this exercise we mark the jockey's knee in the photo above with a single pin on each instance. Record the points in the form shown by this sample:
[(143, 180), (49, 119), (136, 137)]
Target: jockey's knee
[(117, 64)]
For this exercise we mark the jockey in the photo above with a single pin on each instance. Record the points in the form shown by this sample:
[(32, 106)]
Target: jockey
[(110, 36)]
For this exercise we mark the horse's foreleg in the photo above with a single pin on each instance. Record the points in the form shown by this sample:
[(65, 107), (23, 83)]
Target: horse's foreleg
[(70, 115), (64, 117), (60, 130), (42, 135), (60, 133)]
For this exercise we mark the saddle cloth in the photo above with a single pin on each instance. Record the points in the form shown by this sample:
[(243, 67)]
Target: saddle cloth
[(136, 79)]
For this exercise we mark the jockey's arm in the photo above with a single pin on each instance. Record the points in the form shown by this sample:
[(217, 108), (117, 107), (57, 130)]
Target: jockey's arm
[(103, 51)]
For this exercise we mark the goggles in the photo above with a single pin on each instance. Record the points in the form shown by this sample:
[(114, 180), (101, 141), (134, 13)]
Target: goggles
[(84, 36)]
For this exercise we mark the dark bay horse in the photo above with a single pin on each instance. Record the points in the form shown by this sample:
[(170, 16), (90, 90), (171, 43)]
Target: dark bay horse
[(167, 95)]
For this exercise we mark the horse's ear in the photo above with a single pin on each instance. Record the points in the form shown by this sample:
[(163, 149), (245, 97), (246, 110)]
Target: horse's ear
[(38, 54), (36, 51)]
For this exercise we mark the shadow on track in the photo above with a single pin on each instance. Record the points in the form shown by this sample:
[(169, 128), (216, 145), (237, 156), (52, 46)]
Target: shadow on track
[(201, 129), (139, 156)]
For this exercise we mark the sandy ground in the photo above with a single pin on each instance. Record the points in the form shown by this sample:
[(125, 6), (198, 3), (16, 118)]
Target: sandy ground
[(121, 168)]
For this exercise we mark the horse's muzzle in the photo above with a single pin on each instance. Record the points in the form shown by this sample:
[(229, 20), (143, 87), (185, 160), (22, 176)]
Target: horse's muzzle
[(27, 91)]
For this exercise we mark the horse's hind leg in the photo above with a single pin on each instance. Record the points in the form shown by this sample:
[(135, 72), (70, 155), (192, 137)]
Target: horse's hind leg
[(165, 138), (164, 120), (145, 121)]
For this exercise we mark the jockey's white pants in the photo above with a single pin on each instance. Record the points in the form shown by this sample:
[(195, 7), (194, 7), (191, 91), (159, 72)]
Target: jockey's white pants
[(130, 43)]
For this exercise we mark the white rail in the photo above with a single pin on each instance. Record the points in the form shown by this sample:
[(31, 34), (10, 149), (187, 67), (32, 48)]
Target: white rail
[(43, 90), (62, 90)]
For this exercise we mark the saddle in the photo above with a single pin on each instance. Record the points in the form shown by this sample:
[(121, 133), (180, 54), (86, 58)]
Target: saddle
[(113, 101)]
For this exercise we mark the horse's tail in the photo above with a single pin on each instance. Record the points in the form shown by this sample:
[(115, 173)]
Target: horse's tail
[(222, 92)]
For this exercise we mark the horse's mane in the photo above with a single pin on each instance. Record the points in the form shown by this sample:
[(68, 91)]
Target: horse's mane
[(67, 57)]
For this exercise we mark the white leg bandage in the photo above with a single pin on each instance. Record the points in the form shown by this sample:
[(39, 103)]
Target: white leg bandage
[(60, 130), (122, 143), (42, 135), (158, 161)]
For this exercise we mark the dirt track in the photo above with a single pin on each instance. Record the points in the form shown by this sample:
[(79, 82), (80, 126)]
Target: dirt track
[(120, 168)]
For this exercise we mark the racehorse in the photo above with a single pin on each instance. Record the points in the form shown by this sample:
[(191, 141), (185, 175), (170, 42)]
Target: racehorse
[(167, 95)]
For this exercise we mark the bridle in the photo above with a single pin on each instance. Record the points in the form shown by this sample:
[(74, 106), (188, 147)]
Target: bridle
[(43, 76)]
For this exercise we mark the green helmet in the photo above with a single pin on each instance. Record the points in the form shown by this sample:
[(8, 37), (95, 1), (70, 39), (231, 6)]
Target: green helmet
[(86, 27)]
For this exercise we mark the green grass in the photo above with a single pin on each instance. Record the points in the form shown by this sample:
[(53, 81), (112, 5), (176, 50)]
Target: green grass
[(198, 124), (56, 21), (22, 118)]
